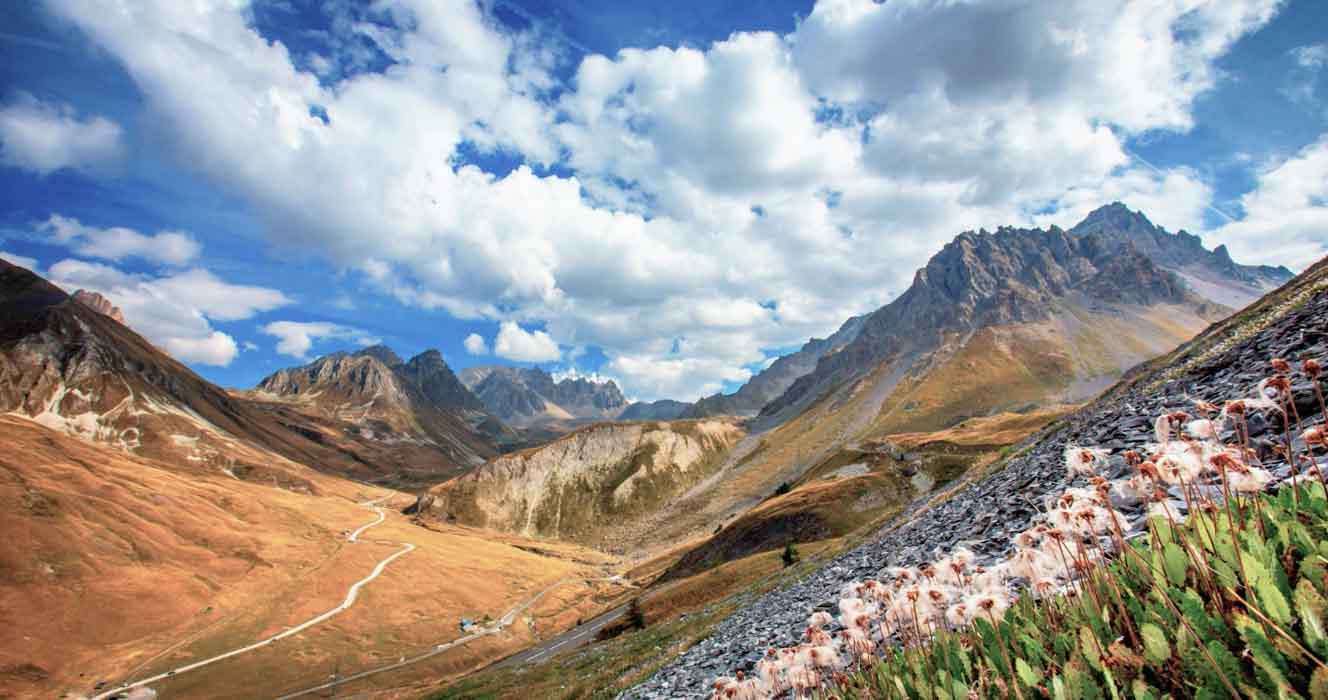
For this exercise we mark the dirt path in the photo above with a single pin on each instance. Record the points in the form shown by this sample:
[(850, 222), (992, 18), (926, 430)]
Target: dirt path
[(351, 596)]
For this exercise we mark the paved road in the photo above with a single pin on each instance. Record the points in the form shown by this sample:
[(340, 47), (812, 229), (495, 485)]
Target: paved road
[(563, 643), (351, 596)]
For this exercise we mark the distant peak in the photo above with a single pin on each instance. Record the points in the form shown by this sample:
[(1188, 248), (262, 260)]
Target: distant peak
[(430, 356), (99, 303), (1115, 215), (380, 352)]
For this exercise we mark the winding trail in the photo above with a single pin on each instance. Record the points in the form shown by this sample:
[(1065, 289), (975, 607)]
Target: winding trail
[(351, 596), (494, 628)]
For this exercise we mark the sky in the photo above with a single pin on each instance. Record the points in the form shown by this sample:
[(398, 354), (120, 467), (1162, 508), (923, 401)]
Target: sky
[(666, 194)]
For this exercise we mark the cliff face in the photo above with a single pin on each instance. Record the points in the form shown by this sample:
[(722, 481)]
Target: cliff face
[(587, 483)]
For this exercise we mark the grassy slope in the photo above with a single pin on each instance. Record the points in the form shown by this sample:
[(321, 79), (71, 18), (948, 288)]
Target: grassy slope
[(112, 563)]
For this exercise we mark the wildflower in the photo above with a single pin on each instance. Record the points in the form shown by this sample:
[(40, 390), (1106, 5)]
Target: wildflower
[(1315, 436), (1275, 386), (1085, 461), (1250, 480), (820, 618), (1280, 365), (1311, 368), (823, 656), (1201, 429), (857, 642), (991, 604)]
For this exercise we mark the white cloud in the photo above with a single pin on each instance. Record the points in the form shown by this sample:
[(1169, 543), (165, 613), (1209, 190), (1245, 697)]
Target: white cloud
[(1313, 56), (20, 260), (515, 343), (44, 137), (173, 311), (475, 344), (1286, 214), (249, 346), (742, 196), (118, 242), (296, 338)]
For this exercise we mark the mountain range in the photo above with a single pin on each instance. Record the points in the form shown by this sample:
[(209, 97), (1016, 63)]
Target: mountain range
[(532, 398), (208, 491)]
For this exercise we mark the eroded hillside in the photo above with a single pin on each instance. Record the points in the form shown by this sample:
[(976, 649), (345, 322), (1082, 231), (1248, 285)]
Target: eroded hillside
[(588, 485)]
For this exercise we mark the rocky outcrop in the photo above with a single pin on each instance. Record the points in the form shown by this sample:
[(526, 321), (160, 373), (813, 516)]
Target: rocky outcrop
[(431, 376), (1211, 273), (98, 303), (588, 483)]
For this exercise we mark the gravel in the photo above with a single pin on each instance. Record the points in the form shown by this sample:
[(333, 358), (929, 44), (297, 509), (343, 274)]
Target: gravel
[(984, 514)]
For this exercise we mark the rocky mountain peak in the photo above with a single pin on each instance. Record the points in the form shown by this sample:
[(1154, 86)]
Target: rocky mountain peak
[(429, 373), (530, 395), (382, 353), (98, 303)]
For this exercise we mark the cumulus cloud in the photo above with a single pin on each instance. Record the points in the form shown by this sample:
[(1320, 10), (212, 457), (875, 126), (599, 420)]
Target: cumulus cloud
[(44, 137), (1286, 213), (174, 311), (475, 344), (118, 242), (744, 195), (516, 343), (296, 338)]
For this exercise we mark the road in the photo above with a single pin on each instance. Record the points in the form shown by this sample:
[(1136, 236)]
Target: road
[(351, 596), (567, 641), (506, 620)]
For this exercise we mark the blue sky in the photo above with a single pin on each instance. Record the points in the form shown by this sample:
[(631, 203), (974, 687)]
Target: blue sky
[(666, 196)]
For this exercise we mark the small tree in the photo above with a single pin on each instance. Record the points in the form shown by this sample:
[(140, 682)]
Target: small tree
[(791, 555), (636, 619)]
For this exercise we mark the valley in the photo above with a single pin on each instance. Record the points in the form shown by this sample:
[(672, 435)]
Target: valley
[(391, 528)]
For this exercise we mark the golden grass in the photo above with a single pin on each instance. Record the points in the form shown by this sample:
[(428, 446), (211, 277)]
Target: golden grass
[(114, 565)]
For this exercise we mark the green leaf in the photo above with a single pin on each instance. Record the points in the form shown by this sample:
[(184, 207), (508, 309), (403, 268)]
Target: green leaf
[(1156, 648), (1026, 673), (1272, 601), (1176, 563), (1310, 607), (1088, 647)]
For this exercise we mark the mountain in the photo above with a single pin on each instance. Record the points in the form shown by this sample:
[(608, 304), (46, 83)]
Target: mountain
[(1211, 274), (80, 372), (663, 409), (771, 382), (1048, 304), (588, 485), (526, 398), (418, 402)]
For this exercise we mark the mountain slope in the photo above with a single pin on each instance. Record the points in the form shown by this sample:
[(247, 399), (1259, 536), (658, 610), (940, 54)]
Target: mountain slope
[(663, 409), (1045, 292), (527, 398), (771, 382), (1226, 361), (76, 370), (587, 485)]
